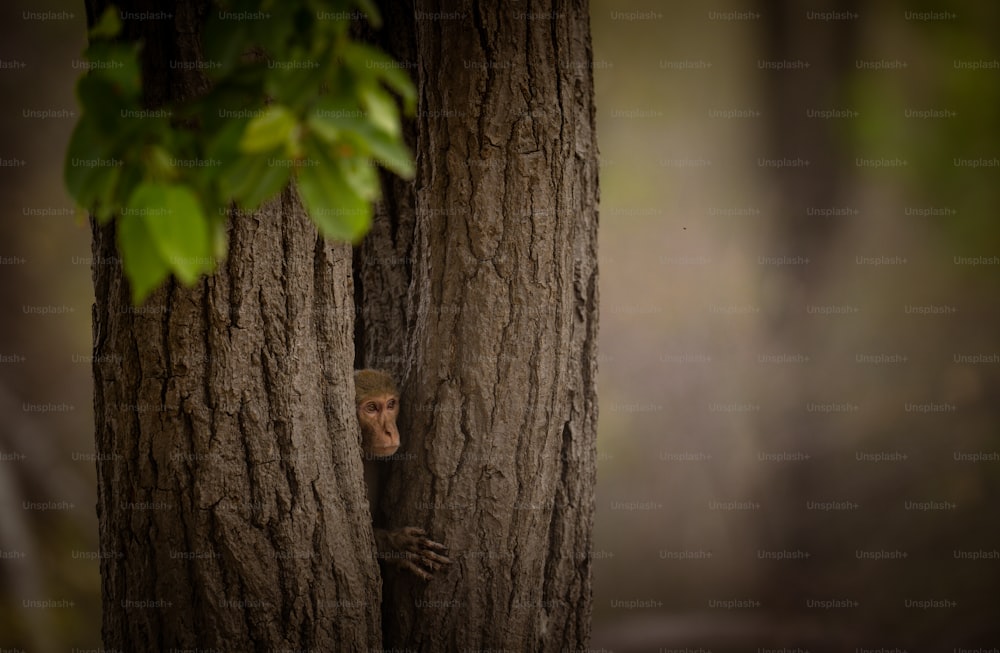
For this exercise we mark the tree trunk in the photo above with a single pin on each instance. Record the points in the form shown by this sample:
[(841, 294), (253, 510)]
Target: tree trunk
[(232, 512), (831, 49), (480, 292)]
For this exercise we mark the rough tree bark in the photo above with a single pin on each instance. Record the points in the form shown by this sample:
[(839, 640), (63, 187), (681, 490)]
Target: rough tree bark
[(479, 289), (232, 513)]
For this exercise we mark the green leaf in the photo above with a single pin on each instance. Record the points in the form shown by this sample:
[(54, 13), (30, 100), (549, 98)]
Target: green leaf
[(389, 151), (118, 63), (178, 228), (90, 172), (224, 144), (103, 104), (225, 41), (382, 111), (84, 147), (159, 163), (268, 130), (239, 178), (141, 261), (252, 180), (271, 180), (338, 211), (365, 60), (326, 130), (332, 115), (336, 122), (274, 29), (361, 175), (293, 86), (108, 26)]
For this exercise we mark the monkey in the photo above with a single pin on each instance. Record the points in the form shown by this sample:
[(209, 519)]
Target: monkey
[(377, 401)]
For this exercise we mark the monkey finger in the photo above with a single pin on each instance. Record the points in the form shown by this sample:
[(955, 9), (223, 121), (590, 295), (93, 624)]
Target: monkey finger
[(439, 559), (431, 567), (437, 546), (433, 560), (416, 570)]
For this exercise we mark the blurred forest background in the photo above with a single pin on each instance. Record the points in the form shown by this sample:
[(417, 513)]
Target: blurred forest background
[(800, 363)]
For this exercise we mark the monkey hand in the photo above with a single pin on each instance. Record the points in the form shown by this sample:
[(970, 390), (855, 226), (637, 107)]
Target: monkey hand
[(409, 548)]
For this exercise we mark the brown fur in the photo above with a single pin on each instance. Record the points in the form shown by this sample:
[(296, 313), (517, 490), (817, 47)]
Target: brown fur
[(369, 383)]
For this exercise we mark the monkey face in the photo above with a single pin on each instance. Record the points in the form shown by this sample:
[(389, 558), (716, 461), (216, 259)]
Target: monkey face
[(377, 417)]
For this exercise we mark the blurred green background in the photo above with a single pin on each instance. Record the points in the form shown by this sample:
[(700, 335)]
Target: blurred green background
[(799, 366)]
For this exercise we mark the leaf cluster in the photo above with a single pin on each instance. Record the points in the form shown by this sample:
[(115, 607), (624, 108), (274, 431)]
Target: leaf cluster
[(291, 96)]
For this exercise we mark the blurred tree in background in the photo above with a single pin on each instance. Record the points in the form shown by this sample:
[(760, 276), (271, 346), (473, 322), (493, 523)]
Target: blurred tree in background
[(46, 437), (800, 423)]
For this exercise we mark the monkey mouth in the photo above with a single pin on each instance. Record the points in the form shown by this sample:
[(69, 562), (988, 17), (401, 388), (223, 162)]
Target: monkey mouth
[(383, 452)]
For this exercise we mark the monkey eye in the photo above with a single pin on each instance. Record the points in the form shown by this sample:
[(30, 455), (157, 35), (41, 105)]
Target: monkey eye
[(392, 403), (371, 408)]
